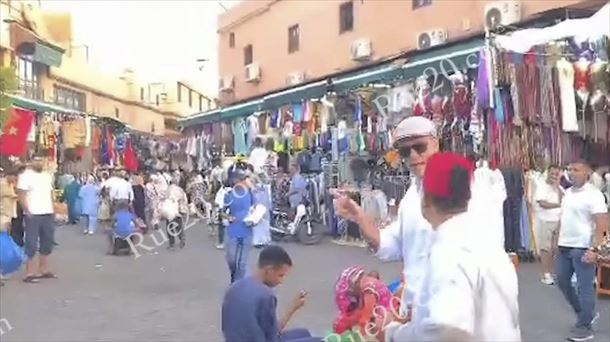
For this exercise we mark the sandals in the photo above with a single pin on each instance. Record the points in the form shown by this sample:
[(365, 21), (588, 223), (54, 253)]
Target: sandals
[(31, 279), (47, 275)]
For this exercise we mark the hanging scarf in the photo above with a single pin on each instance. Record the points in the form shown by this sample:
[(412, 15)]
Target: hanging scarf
[(105, 151), (131, 160)]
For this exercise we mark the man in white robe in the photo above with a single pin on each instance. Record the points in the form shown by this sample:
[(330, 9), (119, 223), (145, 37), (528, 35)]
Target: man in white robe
[(469, 290)]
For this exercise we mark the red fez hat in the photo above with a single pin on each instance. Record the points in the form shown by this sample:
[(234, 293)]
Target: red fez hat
[(439, 171)]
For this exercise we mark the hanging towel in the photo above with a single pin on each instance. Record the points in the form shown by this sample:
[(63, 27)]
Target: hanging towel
[(276, 119), (499, 106), (88, 132), (308, 114), (297, 112), (358, 110), (484, 82), (565, 72)]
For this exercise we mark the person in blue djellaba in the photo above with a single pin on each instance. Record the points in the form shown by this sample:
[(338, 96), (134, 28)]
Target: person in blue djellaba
[(71, 192), (89, 195), (238, 202)]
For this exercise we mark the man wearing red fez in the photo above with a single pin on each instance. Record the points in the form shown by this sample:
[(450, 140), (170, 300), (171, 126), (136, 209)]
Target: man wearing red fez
[(469, 290), (409, 240)]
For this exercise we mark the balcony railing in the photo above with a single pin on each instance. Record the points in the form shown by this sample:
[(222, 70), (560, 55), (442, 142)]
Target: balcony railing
[(31, 91)]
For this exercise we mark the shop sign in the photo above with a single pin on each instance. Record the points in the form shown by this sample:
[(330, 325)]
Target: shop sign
[(42, 54)]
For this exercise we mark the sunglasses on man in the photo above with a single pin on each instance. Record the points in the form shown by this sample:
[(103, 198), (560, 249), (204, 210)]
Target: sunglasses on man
[(419, 148)]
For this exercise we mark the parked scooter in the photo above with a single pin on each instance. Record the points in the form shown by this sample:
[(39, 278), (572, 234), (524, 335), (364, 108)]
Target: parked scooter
[(307, 229)]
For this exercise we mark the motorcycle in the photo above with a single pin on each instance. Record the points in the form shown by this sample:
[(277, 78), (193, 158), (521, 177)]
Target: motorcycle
[(307, 229)]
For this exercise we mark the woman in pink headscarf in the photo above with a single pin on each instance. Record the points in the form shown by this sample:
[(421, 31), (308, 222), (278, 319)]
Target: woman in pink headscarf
[(360, 296)]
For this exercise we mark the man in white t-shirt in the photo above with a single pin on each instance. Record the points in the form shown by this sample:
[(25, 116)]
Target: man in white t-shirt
[(258, 156), (584, 220), (35, 190), (548, 198), (119, 189)]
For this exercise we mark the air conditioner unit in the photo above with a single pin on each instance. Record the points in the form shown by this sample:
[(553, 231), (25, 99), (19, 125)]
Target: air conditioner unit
[(295, 78), (253, 73), (226, 84), (502, 13), (431, 38), (361, 50)]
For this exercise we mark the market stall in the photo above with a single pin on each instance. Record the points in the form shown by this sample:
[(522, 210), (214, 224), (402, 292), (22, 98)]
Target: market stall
[(543, 97)]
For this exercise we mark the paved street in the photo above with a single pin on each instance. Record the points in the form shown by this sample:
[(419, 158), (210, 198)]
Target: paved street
[(176, 295)]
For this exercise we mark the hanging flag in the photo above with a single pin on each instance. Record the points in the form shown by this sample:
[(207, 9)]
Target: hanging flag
[(104, 148), (14, 135), (131, 160)]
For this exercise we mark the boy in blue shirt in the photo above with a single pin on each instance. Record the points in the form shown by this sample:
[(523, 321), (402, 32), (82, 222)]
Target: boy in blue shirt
[(238, 244), (124, 224), (249, 306)]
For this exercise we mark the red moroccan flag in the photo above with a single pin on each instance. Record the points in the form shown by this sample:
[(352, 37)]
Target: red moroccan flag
[(14, 135)]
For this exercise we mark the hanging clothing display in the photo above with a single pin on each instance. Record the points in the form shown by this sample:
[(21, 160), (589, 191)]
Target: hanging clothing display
[(568, 100), (252, 130)]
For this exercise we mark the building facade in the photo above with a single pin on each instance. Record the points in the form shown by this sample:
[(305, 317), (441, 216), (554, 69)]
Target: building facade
[(51, 69), (272, 44), (177, 99)]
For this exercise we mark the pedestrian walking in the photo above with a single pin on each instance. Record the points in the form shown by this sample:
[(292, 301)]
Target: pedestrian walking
[(8, 203), (175, 225), (70, 196), (35, 190), (220, 208), (90, 199), (154, 192), (17, 223), (584, 220), (548, 198), (139, 198), (238, 241)]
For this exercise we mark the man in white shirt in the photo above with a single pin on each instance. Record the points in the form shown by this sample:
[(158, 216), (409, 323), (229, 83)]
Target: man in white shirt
[(258, 156), (547, 200), (469, 290), (409, 240), (119, 189), (35, 190), (584, 220)]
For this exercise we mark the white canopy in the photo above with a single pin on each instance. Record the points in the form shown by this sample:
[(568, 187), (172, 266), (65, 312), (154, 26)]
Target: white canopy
[(522, 41)]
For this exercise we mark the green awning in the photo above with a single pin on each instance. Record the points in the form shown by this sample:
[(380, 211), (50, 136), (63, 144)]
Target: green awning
[(444, 60), (39, 106), (242, 109), (293, 95), (226, 113), (200, 118), (42, 53)]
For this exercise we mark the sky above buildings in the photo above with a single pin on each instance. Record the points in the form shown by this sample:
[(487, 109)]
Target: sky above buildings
[(161, 40)]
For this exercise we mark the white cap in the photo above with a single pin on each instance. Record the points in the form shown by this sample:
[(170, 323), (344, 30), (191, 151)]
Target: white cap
[(414, 126)]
